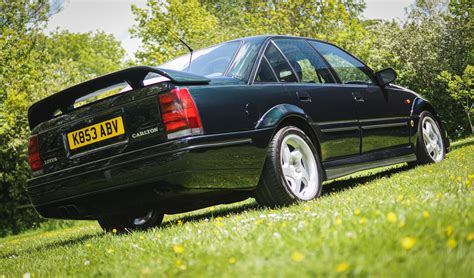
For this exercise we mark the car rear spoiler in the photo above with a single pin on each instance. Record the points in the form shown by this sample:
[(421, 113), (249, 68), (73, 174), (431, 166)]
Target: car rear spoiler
[(64, 100)]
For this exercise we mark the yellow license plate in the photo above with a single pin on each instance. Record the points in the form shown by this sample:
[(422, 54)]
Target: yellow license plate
[(95, 133)]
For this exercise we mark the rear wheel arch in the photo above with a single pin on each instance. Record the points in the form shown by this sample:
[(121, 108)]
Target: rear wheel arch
[(288, 114)]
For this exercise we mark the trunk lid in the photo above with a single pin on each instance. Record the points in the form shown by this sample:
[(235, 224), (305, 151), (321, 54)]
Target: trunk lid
[(123, 122), (139, 115)]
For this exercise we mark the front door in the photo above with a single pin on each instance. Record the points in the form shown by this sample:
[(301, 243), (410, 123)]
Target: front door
[(384, 122), (384, 125)]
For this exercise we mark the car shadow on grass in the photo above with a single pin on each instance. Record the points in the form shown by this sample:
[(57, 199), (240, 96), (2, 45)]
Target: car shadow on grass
[(48, 246), (346, 183), (222, 212), (464, 143), (334, 186)]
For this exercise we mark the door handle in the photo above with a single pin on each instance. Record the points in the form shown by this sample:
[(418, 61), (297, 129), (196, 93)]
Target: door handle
[(303, 96), (357, 97)]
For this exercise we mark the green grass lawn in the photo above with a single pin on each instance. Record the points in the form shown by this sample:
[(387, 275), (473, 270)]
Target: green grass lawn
[(388, 222)]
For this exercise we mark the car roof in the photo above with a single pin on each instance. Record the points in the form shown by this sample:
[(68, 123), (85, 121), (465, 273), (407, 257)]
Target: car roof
[(265, 37)]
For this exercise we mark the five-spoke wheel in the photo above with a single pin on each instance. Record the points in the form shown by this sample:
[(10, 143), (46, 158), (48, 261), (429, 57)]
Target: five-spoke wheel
[(292, 171), (430, 145), (299, 168), (432, 138)]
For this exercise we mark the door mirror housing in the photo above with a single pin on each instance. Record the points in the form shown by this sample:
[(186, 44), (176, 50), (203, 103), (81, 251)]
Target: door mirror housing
[(386, 76)]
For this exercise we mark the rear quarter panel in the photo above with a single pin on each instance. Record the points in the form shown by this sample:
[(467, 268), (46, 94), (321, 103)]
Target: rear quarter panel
[(229, 108)]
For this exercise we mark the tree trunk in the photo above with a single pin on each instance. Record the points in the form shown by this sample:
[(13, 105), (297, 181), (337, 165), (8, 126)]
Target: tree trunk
[(470, 122)]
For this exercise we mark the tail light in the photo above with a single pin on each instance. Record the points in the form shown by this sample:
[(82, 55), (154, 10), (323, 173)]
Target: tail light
[(179, 113), (34, 158)]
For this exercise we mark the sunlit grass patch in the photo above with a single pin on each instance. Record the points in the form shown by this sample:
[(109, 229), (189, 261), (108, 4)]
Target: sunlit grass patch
[(384, 222)]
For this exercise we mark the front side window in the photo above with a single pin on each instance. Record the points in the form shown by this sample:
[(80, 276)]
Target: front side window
[(349, 69), (305, 61), (209, 62)]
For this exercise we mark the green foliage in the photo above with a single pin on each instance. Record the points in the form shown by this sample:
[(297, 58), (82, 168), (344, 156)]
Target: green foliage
[(203, 23), (33, 66), (387, 222), (20, 72), (458, 43), (461, 89), (435, 37), (159, 24), (92, 54)]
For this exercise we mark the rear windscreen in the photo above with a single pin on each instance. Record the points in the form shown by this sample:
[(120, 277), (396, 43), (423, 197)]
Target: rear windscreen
[(102, 93), (209, 62)]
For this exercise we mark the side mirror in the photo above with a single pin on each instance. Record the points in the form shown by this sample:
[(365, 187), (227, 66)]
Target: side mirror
[(386, 76)]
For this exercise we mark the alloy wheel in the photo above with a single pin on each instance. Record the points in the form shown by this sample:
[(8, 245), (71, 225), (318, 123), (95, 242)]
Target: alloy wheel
[(432, 139), (299, 167), (138, 221)]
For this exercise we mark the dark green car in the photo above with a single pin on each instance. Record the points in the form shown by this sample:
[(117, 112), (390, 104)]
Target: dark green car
[(269, 117)]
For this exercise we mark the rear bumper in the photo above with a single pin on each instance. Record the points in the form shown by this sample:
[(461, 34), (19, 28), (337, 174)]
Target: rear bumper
[(157, 176)]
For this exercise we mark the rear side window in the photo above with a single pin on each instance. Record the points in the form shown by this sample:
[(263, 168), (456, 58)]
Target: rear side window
[(349, 69), (244, 61), (309, 66), (280, 66), (265, 73)]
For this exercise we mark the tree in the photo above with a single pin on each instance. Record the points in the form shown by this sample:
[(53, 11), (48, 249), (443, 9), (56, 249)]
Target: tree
[(20, 25), (203, 23), (420, 48), (159, 25), (91, 53), (458, 42), (461, 89), (33, 66)]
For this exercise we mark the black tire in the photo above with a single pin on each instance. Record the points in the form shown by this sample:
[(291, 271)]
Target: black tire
[(123, 223), (422, 154), (273, 190)]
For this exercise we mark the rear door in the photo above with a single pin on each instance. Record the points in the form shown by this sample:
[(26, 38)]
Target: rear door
[(383, 124), (313, 88)]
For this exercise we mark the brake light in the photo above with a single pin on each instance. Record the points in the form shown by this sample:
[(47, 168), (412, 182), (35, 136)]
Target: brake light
[(179, 113), (34, 158)]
